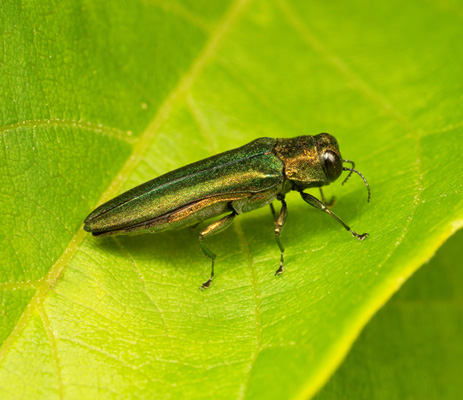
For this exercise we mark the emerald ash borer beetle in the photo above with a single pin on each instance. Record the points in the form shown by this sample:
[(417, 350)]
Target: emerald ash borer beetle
[(232, 183)]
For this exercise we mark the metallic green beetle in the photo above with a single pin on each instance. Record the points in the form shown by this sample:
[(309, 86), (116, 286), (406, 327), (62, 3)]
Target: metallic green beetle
[(233, 182)]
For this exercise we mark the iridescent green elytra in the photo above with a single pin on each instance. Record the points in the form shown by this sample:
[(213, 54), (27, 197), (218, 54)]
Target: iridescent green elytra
[(233, 182)]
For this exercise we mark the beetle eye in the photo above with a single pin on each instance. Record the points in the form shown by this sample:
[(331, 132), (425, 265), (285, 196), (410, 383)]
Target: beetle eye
[(332, 165)]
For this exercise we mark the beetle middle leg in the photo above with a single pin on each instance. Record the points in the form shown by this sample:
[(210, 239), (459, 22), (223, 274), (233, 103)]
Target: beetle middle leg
[(280, 221), (212, 229), (314, 202), (328, 203)]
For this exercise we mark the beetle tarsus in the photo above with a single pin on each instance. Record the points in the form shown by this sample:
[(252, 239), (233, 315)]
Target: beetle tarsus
[(361, 237), (280, 270), (206, 284), (314, 202)]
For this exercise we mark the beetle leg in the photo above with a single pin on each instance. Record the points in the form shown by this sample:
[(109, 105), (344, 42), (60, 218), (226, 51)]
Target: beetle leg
[(313, 201), (330, 202), (212, 229), (274, 214), (279, 225)]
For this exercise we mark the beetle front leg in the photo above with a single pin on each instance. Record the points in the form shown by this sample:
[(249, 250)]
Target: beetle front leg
[(313, 201), (212, 229), (279, 225)]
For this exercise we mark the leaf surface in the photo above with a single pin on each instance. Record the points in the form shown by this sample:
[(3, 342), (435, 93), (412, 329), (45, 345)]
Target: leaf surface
[(412, 348), (97, 98)]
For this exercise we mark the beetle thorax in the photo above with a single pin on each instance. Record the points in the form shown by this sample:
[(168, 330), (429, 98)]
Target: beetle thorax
[(301, 161)]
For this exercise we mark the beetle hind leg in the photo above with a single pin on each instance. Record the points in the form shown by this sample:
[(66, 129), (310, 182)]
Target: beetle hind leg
[(279, 225), (212, 229)]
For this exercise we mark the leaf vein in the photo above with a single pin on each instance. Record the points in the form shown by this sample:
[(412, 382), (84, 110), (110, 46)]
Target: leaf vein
[(69, 123), (53, 346), (257, 310), (143, 283), (183, 13), (141, 146), (370, 94)]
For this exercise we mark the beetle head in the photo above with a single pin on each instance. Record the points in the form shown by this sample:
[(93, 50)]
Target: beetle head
[(314, 161), (310, 161)]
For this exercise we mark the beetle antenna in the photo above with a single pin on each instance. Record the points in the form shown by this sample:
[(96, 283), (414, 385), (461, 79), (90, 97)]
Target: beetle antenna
[(350, 173), (358, 173)]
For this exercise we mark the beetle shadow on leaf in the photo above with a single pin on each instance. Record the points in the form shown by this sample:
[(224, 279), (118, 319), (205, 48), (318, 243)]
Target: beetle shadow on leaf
[(181, 249), (351, 205), (161, 246)]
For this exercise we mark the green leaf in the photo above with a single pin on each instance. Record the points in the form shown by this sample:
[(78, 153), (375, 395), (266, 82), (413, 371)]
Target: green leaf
[(412, 348), (100, 97)]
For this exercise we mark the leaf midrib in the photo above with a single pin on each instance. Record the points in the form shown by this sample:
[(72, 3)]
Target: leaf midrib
[(333, 357), (139, 148)]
